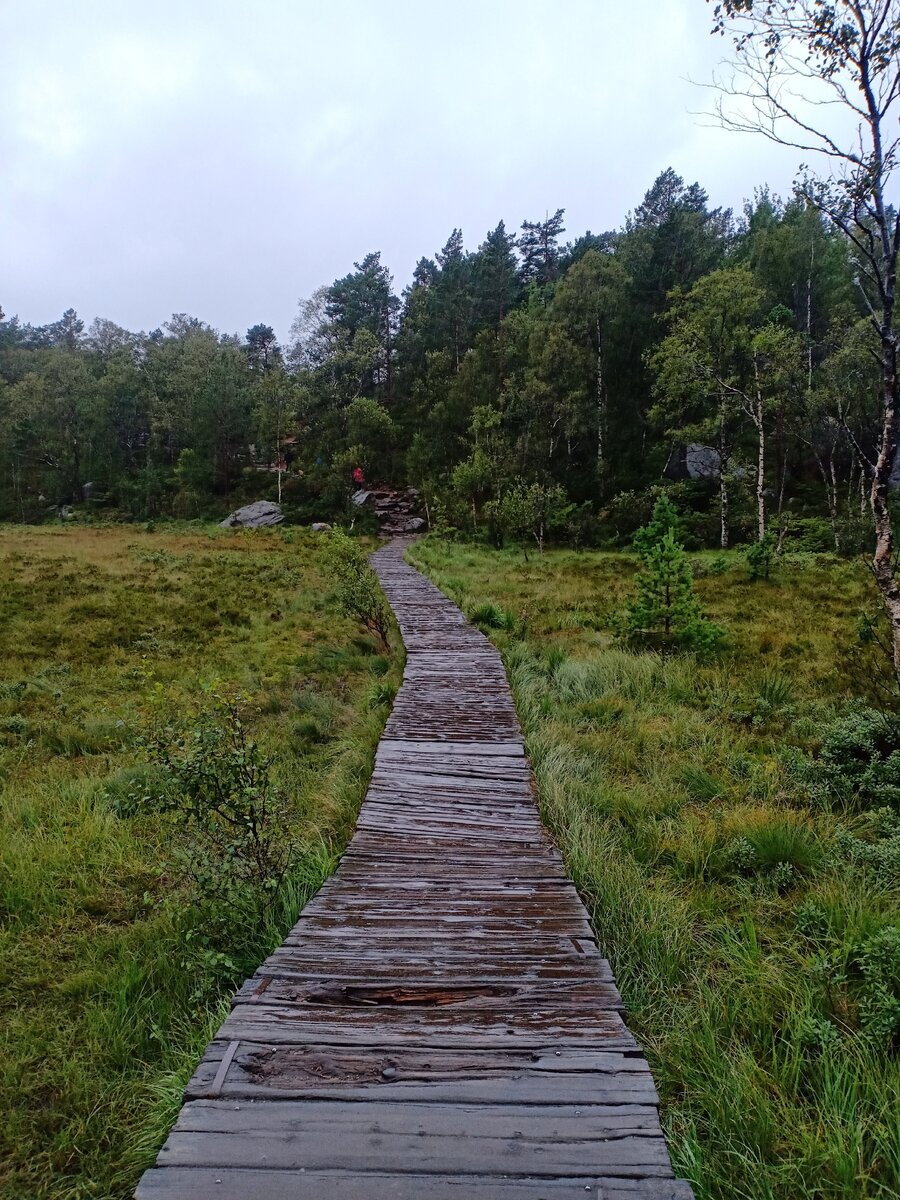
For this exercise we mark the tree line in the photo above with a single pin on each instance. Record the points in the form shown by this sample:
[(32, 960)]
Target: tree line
[(532, 384)]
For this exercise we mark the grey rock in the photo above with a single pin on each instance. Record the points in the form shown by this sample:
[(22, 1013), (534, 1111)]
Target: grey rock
[(87, 490), (254, 516), (702, 462), (320, 527), (67, 512), (692, 462), (413, 525), (363, 497)]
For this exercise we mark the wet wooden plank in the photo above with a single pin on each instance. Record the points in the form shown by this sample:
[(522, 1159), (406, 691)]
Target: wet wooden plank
[(452, 995), (554, 1140), (242, 1183), (311, 1025), (263, 1070)]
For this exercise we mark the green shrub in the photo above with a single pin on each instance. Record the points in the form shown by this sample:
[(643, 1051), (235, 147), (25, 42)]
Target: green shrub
[(880, 853), (877, 960), (760, 556), (775, 692), (491, 616), (218, 782), (698, 783), (358, 592), (529, 512), (784, 842), (859, 762), (713, 566), (813, 534)]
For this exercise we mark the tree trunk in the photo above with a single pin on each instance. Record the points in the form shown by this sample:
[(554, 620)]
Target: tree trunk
[(601, 412), (882, 560), (809, 344), (278, 449), (761, 479), (833, 480), (723, 489), (760, 455), (828, 479)]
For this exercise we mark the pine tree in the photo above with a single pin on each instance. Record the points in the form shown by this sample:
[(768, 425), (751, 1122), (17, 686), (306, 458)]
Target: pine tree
[(665, 519), (666, 610), (539, 248)]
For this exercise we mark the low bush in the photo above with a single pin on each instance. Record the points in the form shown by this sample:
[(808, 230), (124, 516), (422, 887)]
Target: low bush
[(760, 555), (215, 783), (859, 763), (358, 590)]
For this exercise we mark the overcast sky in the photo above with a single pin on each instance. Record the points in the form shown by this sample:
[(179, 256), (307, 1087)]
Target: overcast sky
[(224, 159)]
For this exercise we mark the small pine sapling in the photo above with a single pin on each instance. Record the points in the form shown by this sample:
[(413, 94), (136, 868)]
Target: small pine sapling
[(666, 610), (760, 555)]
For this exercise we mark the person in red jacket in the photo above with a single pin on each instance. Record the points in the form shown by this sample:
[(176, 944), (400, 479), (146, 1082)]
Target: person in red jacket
[(358, 477)]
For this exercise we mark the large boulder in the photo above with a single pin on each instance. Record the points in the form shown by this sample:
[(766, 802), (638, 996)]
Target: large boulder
[(254, 516), (692, 462)]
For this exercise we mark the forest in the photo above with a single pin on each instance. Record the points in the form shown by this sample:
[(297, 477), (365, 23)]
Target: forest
[(533, 386)]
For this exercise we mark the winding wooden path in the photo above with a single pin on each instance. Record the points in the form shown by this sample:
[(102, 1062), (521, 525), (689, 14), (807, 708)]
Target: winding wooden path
[(439, 1023)]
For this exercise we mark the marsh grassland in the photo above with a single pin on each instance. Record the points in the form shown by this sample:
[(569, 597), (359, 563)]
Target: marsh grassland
[(116, 956), (732, 823)]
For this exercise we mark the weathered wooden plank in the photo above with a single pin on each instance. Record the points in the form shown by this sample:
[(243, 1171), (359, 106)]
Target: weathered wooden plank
[(312, 1024), (376, 968), (453, 996), (528, 1139), (205, 1183), (454, 1063), (270, 1071), (568, 1122)]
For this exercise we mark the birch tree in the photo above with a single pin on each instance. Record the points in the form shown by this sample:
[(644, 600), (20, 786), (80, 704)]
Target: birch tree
[(824, 79)]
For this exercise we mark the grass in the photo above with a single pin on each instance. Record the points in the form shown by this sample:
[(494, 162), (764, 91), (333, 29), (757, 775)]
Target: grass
[(752, 923), (113, 972)]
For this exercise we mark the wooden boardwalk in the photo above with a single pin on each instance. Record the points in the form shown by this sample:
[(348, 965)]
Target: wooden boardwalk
[(439, 1023)]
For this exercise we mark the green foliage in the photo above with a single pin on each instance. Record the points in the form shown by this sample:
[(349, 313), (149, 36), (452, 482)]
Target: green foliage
[(878, 962), (664, 519), (219, 783), (530, 512), (666, 611), (358, 591), (513, 366), (760, 555), (859, 763), (491, 616)]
